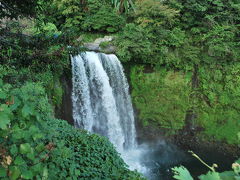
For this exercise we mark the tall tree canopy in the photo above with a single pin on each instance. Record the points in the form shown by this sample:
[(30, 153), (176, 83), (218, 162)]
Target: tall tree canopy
[(15, 8)]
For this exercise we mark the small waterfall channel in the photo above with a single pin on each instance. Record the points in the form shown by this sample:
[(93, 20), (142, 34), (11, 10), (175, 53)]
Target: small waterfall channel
[(102, 104)]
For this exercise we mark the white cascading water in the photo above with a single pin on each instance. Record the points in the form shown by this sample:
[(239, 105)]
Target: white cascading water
[(102, 104)]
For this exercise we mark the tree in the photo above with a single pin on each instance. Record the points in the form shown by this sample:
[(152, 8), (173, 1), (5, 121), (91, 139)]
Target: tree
[(14, 8)]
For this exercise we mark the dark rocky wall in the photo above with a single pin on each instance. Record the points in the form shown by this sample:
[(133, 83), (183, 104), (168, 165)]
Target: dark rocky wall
[(65, 110)]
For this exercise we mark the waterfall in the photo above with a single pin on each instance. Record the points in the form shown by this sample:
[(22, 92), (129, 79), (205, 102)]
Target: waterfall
[(101, 101)]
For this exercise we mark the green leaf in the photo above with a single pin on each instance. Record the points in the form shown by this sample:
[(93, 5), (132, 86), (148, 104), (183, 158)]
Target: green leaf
[(31, 155), (37, 168), (3, 172), (15, 173), (13, 149), (1, 82), (227, 175), (27, 174), (3, 95), (25, 148), (210, 176), (16, 104), (181, 173), (45, 173), (26, 110), (4, 120), (40, 147), (77, 172), (19, 161)]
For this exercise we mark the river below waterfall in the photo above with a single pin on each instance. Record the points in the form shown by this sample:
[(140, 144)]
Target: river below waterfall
[(102, 104), (161, 156)]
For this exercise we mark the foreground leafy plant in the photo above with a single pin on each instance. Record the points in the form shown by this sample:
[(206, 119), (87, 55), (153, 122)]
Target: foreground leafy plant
[(34, 145), (181, 173)]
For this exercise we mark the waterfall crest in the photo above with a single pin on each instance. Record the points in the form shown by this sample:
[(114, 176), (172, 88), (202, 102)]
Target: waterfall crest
[(101, 100)]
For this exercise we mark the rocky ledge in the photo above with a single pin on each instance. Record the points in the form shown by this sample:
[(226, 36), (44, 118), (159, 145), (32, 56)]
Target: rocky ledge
[(104, 45)]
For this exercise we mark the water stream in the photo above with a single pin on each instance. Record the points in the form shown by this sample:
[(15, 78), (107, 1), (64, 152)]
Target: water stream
[(102, 104)]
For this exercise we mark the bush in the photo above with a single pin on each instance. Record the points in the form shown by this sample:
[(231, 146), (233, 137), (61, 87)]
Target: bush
[(79, 154), (23, 112), (133, 44), (104, 20), (181, 173), (78, 16), (34, 145)]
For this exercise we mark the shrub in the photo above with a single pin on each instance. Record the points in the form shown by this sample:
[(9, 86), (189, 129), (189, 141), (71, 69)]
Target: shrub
[(79, 154), (103, 20), (34, 145), (133, 44)]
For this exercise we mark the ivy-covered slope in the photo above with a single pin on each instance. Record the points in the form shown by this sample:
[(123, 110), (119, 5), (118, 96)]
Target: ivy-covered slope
[(34, 145)]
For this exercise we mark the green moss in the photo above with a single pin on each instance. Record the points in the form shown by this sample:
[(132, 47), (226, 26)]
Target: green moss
[(218, 102), (90, 37), (162, 97), (104, 44)]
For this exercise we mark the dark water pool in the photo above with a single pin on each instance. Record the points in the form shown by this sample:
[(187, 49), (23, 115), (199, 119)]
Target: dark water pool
[(162, 156)]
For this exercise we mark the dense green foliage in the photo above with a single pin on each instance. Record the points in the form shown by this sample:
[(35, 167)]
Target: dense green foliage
[(151, 35), (198, 39), (34, 145), (162, 97), (23, 111), (218, 101), (83, 16), (15, 8), (81, 155), (192, 45)]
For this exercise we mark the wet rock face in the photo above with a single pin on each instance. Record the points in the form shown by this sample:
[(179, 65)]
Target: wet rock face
[(102, 45), (65, 111)]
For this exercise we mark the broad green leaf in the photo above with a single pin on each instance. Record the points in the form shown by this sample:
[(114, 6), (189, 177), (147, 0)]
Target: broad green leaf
[(14, 149), (77, 172), (19, 160), (45, 173), (227, 175), (40, 147), (4, 120), (238, 161), (3, 95), (31, 155), (37, 168), (188, 76), (3, 172), (25, 148), (181, 173), (27, 174), (210, 176), (15, 172)]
